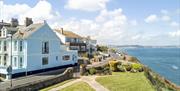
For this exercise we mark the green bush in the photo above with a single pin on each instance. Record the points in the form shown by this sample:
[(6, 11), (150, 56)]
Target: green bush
[(92, 71), (128, 67), (113, 65), (121, 68), (86, 74), (137, 67)]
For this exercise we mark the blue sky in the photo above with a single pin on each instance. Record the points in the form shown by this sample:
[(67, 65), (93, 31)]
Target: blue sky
[(144, 22)]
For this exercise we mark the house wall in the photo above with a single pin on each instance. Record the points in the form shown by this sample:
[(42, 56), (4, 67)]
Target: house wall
[(34, 50)]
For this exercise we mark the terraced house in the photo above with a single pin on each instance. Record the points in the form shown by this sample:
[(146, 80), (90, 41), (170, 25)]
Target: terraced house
[(32, 48)]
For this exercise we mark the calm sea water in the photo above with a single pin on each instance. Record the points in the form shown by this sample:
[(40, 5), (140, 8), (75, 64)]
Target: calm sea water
[(165, 61)]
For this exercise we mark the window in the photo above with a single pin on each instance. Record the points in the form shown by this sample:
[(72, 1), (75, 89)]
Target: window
[(74, 58), (15, 62), (4, 33), (15, 45), (20, 46), (0, 45), (5, 61), (45, 47), (0, 61), (66, 57), (44, 60), (5, 46), (56, 58), (21, 62)]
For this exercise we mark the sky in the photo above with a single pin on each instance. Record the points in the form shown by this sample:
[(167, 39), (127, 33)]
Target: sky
[(111, 22)]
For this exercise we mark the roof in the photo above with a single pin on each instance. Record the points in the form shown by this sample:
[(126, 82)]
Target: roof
[(68, 34), (25, 32), (11, 28)]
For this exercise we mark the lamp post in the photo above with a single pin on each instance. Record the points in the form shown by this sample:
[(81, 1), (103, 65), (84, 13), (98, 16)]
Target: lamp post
[(10, 66)]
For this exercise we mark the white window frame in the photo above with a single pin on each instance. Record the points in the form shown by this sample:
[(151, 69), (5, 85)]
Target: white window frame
[(20, 45), (15, 64), (43, 61), (15, 45), (21, 62)]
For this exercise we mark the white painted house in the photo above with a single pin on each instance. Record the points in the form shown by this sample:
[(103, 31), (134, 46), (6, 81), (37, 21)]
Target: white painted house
[(34, 48), (72, 40)]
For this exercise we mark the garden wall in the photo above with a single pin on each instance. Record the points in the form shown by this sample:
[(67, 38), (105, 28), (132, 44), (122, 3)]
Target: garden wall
[(35, 86)]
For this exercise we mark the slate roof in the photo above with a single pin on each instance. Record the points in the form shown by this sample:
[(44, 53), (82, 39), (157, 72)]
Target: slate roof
[(25, 32), (22, 32), (68, 34)]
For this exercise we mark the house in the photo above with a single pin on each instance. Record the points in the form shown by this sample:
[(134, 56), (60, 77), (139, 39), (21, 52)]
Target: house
[(91, 45), (74, 41), (32, 48)]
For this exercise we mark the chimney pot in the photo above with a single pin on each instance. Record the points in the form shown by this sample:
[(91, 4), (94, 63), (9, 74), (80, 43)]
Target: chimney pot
[(28, 21)]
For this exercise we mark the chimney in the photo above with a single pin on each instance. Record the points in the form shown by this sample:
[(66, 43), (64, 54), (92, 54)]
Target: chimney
[(62, 30), (14, 22), (28, 21)]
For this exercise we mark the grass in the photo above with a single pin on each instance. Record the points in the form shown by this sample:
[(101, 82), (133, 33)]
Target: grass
[(80, 86), (126, 82), (56, 85)]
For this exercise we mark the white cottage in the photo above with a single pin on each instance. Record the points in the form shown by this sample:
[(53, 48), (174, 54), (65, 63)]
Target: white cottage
[(33, 48)]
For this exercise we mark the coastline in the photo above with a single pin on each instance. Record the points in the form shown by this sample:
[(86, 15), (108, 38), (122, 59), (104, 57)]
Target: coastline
[(158, 81)]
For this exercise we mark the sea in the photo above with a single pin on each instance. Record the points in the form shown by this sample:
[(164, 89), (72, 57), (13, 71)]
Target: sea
[(164, 61)]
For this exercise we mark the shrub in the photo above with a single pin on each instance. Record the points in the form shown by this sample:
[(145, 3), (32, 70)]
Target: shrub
[(86, 74), (137, 67), (133, 70), (128, 67), (92, 71), (113, 65), (121, 68)]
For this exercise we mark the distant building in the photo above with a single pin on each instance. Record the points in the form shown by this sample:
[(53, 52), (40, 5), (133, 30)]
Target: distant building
[(91, 45), (35, 48), (74, 41)]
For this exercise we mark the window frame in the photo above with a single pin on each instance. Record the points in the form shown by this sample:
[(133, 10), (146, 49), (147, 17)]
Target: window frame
[(21, 46), (21, 62), (45, 47), (45, 61), (66, 57)]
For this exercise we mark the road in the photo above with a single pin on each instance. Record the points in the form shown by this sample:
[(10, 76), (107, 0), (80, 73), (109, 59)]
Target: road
[(30, 78)]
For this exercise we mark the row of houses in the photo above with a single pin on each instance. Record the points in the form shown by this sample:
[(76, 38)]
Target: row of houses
[(33, 48)]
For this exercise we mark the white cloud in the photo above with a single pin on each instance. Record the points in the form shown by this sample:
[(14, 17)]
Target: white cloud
[(151, 18), (165, 18), (107, 27), (10, 11), (136, 37), (41, 11), (175, 33), (134, 23), (174, 24), (86, 5)]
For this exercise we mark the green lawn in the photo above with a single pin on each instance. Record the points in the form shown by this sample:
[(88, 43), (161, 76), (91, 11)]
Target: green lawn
[(80, 86), (126, 82), (54, 86)]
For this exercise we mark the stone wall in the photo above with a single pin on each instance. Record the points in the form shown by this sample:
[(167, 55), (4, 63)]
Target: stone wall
[(35, 86)]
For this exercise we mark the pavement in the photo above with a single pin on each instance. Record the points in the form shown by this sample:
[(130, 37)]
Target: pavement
[(88, 79), (30, 78)]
